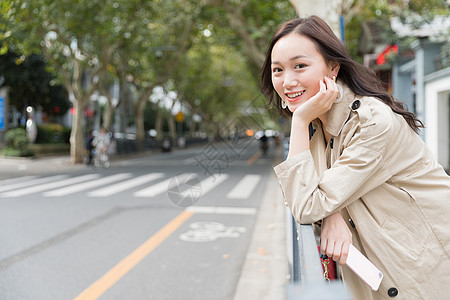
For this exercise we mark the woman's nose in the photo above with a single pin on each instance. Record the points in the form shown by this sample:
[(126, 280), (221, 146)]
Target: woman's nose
[(290, 81)]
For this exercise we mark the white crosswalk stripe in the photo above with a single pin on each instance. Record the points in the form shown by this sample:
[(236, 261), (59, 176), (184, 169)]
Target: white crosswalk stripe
[(27, 183), (84, 186), (245, 187), (208, 184), (14, 180), (49, 186), (162, 186), (126, 185), (148, 186)]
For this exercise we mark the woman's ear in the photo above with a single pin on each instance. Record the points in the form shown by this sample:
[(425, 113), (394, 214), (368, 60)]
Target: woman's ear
[(335, 66)]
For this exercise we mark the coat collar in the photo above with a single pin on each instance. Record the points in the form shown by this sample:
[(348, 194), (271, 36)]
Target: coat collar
[(339, 112)]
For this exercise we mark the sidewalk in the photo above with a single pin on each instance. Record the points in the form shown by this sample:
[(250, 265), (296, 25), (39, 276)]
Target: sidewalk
[(13, 167), (265, 273), (18, 166)]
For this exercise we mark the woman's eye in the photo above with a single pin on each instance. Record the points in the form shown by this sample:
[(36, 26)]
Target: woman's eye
[(276, 70), (299, 66)]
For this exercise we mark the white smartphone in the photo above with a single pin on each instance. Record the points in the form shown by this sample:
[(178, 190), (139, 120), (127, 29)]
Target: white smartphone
[(364, 268)]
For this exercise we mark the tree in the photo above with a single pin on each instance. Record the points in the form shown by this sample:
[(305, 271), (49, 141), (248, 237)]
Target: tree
[(78, 39), (252, 24), (161, 52), (215, 81), (415, 13)]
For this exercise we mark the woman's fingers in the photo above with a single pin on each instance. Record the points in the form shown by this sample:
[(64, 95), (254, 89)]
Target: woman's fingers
[(320, 103), (337, 250), (331, 87), (323, 246), (335, 238), (344, 252)]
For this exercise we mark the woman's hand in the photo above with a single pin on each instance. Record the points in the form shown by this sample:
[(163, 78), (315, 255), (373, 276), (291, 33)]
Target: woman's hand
[(313, 108), (320, 103), (335, 238)]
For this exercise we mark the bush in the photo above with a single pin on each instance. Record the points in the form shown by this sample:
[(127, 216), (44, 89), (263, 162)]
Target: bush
[(52, 133), (17, 143)]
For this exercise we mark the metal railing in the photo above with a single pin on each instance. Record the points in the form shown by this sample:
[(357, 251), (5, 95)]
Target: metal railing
[(307, 280)]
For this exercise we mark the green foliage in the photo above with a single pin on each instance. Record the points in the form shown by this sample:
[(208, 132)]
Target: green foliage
[(52, 133), (414, 13), (17, 143), (147, 43)]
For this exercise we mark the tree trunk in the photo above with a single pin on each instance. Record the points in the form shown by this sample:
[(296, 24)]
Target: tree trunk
[(108, 114), (328, 10), (159, 123), (209, 128), (191, 126), (239, 24), (139, 108), (172, 126), (122, 105), (139, 121), (77, 134)]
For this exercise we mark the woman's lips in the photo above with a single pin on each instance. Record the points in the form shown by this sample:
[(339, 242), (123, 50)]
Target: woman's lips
[(292, 97)]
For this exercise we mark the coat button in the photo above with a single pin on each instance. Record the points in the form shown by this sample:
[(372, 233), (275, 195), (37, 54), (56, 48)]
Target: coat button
[(356, 104), (331, 143), (351, 223), (392, 292)]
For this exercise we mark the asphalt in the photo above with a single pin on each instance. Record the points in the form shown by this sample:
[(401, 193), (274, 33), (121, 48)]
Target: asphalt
[(265, 272)]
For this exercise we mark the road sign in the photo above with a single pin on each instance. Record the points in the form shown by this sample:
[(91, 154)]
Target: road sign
[(179, 117)]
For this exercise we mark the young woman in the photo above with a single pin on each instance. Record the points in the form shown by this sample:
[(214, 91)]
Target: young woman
[(365, 173)]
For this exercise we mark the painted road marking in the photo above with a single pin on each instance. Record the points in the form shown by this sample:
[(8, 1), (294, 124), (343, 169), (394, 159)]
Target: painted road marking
[(49, 186), (252, 159), (16, 179), (126, 185), (210, 231), (222, 210), (84, 186), (31, 182), (161, 187), (207, 185), (245, 187), (99, 287), (118, 271)]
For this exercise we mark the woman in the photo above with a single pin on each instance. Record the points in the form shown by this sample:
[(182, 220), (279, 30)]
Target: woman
[(365, 173)]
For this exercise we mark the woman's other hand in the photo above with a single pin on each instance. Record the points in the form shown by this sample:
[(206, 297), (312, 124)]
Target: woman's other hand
[(336, 238)]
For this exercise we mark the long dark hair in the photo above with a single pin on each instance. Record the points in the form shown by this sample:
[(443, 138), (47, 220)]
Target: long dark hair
[(360, 79)]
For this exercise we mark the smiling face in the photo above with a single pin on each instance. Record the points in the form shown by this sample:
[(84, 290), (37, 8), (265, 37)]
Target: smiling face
[(297, 68)]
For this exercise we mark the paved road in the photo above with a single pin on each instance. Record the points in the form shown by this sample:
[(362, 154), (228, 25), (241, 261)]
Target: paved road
[(164, 226)]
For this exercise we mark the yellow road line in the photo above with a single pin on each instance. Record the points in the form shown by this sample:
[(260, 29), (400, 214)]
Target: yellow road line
[(252, 159), (118, 271)]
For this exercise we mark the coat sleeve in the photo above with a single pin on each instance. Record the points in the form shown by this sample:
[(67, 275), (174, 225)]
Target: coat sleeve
[(360, 168)]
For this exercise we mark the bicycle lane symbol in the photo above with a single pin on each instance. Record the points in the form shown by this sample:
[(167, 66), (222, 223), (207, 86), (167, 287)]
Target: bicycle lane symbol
[(210, 231)]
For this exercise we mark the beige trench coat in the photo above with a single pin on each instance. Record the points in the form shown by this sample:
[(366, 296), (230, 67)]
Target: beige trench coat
[(396, 198)]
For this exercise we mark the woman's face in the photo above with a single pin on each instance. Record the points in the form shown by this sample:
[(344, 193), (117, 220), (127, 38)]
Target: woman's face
[(297, 68)]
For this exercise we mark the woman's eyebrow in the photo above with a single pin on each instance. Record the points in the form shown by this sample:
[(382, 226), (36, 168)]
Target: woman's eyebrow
[(292, 58), (298, 56)]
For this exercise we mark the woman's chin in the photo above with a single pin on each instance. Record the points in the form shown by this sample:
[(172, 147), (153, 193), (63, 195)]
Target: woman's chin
[(292, 108)]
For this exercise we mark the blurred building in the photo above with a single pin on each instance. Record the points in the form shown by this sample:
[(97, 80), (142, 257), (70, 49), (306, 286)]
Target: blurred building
[(424, 81), (418, 76)]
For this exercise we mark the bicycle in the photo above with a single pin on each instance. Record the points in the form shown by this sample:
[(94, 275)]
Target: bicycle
[(101, 158)]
